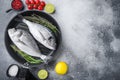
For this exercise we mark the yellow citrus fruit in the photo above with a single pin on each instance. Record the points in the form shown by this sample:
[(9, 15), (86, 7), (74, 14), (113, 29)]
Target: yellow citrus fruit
[(61, 68), (49, 8), (42, 74)]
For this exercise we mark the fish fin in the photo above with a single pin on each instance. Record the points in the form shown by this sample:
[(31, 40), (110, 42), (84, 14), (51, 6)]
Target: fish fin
[(42, 36), (22, 42)]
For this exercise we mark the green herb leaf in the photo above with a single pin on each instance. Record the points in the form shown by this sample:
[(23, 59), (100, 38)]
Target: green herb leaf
[(27, 57)]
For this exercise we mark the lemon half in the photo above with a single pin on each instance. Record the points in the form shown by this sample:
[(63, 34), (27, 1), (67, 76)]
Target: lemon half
[(49, 8), (42, 74)]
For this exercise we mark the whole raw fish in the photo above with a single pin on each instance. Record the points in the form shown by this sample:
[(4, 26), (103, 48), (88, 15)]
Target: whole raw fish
[(41, 34), (25, 42)]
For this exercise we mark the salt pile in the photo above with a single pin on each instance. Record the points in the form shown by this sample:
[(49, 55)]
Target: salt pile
[(13, 70)]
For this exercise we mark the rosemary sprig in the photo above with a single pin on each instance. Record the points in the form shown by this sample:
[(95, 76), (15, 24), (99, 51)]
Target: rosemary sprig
[(27, 57)]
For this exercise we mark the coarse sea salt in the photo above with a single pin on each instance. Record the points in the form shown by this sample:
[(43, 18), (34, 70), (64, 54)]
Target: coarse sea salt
[(13, 70)]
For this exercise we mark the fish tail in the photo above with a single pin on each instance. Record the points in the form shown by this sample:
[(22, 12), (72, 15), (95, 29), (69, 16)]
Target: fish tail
[(19, 18)]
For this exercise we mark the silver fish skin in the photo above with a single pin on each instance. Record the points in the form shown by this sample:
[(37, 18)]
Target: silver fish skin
[(41, 34), (25, 42)]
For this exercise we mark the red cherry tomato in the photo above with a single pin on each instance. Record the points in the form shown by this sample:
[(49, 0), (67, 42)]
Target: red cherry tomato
[(42, 3), (32, 1), (37, 1), (40, 7), (17, 0), (27, 2), (30, 7), (35, 6)]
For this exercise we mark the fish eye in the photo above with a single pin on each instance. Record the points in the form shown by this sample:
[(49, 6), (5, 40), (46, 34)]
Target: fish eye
[(20, 33), (50, 38)]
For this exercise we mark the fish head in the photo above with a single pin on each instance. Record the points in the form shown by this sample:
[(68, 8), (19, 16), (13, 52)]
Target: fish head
[(11, 31), (14, 34), (51, 42)]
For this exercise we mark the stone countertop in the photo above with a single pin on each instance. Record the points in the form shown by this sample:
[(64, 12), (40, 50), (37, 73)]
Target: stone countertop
[(90, 39)]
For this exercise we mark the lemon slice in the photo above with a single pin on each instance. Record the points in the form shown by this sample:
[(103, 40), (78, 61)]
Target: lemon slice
[(61, 68), (49, 8), (42, 74)]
